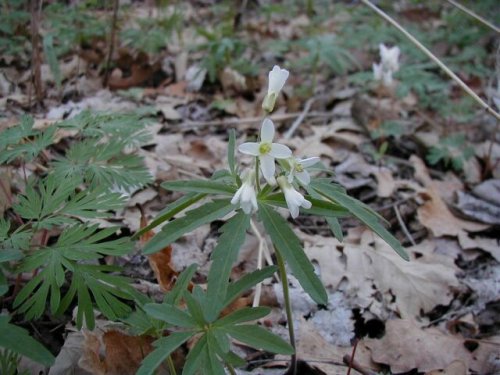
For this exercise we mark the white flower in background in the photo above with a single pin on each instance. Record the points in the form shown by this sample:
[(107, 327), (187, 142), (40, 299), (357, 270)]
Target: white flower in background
[(389, 57), (293, 198), (389, 64), (277, 79), (266, 151), (298, 169), (246, 195)]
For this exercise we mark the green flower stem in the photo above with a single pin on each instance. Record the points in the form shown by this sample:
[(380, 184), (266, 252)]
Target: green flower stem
[(171, 366), (257, 176), (288, 307), (230, 369)]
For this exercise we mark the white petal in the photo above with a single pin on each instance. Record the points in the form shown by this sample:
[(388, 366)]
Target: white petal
[(294, 210), (237, 195), (303, 177), (249, 148), (306, 204), (277, 79), (267, 131), (387, 78), (246, 207), (308, 162), (267, 166), (377, 71), (280, 151)]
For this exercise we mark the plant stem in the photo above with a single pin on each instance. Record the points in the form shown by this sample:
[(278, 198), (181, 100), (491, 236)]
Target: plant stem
[(230, 368), (288, 307), (116, 5), (424, 49), (257, 176), (171, 367), (474, 15)]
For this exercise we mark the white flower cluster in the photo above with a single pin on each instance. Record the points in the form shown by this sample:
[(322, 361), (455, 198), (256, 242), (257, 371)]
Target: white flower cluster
[(266, 152), (389, 64)]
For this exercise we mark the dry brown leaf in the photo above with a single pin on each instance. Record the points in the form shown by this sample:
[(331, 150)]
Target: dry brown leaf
[(115, 353), (160, 261), (313, 348), (434, 213), (385, 182), (406, 346), (420, 284), (490, 245), (454, 368), (417, 286)]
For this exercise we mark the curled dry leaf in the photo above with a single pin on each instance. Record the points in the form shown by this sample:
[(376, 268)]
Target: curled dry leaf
[(406, 346), (418, 285), (114, 353), (160, 262), (434, 214)]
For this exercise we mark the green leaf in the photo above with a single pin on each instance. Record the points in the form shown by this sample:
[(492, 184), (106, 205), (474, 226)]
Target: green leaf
[(288, 244), (362, 213), (259, 338), (164, 347), (170, 211), (181, 284), (245, 314), (170, 314), (193, 219), (195, 356), (223, 256), (199, 186), (103, 165), (212, 363), (18, 340), (335, 227), (240, 286)]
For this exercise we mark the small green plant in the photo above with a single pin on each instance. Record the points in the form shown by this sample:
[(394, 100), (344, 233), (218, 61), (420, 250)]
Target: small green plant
[(77, 187), (272, 182), (223, 49), (151, 35), (451, 150)]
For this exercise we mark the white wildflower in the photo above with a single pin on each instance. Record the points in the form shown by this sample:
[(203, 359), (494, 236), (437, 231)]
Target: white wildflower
[(246, 195), (298, 169), (293, 198), (389, 64), (266, 151), (277, 78), (389, 57)]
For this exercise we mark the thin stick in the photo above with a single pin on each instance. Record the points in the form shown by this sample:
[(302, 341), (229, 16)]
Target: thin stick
[(474, 15), (263, 250), (288, 308), (434, 58), (403, 226), (171, 366), (299, 119), (36, 64), (251, 120), (116, 4)]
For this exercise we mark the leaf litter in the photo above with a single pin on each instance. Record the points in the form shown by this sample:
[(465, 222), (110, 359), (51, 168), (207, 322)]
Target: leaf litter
[(453, 272)]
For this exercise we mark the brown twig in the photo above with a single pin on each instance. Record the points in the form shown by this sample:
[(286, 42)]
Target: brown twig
[(356, 366), (251, 120), (36, 64), (116, 4)]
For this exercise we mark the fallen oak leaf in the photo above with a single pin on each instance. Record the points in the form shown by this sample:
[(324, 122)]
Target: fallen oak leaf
[(160, 262), (114, 353), (406, 346)]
